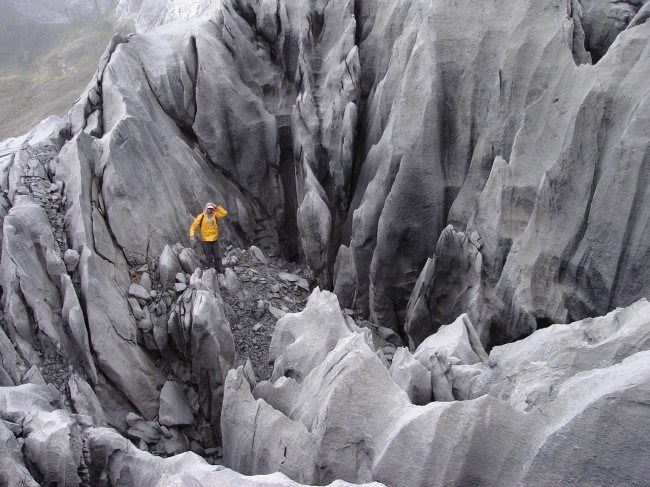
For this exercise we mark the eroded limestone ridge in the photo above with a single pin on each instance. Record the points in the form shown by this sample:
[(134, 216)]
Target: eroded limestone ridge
[(427, 161), (369, 138)]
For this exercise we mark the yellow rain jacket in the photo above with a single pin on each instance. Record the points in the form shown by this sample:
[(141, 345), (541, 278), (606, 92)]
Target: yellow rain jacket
[(209, 231)]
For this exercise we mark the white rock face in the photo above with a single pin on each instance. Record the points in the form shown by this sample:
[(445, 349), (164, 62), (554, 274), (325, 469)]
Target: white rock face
[(52, 440), (53, 445), (428, 162), (496, 139), (12, 467), (348, 419), (302, 340), (527, 373)]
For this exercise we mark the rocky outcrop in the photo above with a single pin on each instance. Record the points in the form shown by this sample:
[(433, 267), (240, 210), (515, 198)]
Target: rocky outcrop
[(354, 142), (348, 419), (501, 155), (302, 340), (44, 443), (427, 161), (34, 294), (603, 21)]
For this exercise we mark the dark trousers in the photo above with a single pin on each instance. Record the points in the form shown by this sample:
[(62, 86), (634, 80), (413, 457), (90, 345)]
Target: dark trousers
[(212, 256)]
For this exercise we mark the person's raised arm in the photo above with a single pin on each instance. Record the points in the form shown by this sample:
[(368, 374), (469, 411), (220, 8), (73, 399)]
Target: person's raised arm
[(220, 212)]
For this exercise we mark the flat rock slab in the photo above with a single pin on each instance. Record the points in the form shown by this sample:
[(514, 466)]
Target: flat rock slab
[(292, 278), (259, 255), (139, 292), (276, 313), (175, 409)]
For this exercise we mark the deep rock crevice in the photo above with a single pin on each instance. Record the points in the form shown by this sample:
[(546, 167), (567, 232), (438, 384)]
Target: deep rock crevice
[(468, 166)]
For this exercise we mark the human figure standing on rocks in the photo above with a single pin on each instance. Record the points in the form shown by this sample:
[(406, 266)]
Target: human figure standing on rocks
[(208, 224)]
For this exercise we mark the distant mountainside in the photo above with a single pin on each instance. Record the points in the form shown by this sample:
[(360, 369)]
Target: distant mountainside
[(45, 66), (470, 178), (61, 11), (49, 50), (145, 13)]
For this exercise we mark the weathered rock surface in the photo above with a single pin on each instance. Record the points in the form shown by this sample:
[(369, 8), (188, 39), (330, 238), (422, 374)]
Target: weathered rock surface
[(337, 155), (40, 302), (426, 161), (603, 21), (12, 467), (65, 449), (567, 383), (175, 409), (53, 446), (302, 340), (503, 157)]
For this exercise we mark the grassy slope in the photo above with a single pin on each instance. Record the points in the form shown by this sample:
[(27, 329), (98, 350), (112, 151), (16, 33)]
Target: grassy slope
[(44, 68)]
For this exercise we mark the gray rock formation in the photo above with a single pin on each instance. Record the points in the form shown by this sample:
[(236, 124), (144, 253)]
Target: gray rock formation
[(495, 157), (53, 446), (603, 21), (62, 448), (327, 150), (348, 419), (13, 470), (302, 340), (428, 162)]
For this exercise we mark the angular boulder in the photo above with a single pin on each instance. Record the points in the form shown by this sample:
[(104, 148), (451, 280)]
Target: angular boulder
[(302, 340)]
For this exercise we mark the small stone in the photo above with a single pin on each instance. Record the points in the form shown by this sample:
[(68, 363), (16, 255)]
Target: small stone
[(71, 259), (257, 326), (145, 324), (217, 451), (390, 336), (259, 255), (275, 288), (145, 281), (138, 292), (179, 287), (175, 408), (138, 313), (132, 419), (180, 277), (276, 313), (144, 431)]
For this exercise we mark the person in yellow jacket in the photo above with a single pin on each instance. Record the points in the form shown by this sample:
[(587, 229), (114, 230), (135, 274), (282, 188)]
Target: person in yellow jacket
[(208, 225)]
